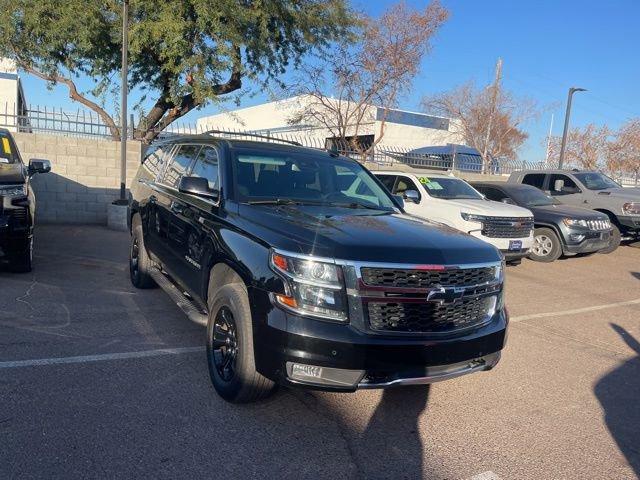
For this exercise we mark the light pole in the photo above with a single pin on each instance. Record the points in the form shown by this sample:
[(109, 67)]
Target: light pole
[(572, 90), (123, 97)]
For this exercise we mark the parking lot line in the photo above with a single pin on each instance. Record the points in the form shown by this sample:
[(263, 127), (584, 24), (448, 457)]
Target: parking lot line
[(561, 313), (99, 358)]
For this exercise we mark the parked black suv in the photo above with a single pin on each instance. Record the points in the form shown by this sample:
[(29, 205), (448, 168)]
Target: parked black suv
[(559, 229), (17, 204), (307, 272)]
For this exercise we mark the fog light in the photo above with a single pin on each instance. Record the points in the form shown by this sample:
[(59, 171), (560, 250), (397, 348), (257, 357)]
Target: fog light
[(315, 375), (576, 237)]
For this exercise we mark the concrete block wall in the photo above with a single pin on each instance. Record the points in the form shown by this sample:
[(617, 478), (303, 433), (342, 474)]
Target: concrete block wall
[(84, 178)]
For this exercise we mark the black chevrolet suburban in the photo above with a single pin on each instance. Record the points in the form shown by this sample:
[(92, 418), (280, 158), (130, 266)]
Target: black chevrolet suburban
[(17, 204), (307, 272), (558, 229)]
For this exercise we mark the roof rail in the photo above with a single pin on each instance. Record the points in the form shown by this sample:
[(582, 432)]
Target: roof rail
[(254, 135)]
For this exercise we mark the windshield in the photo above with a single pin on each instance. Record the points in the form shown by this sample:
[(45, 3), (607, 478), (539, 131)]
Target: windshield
[(449, 188), (306, 178), (531, 197), (7, 154), (596, 181)]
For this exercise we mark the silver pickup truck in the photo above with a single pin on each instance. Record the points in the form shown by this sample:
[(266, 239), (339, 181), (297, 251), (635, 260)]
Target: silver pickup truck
[(594, 190)]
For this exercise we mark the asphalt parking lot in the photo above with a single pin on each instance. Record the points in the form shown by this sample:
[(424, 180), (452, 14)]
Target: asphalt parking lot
[(98, 380)]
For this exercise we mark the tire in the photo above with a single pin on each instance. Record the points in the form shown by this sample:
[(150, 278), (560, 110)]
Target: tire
[(22, 262), (546, 246), (614, 242), (139, 262), (230, 352)]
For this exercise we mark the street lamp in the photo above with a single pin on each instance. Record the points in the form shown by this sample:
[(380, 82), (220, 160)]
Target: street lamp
[(572, 90)]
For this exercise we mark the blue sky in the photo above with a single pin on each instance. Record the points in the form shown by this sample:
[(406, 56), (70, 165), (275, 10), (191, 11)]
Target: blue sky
[(546, 46)]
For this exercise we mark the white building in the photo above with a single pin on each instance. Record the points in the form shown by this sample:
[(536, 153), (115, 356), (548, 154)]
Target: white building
[(13, 108), (402, 129)]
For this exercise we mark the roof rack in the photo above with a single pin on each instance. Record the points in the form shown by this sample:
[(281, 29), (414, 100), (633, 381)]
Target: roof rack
[(254, 135)]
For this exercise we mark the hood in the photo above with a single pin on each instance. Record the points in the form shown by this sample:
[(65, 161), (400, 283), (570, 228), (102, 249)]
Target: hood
[(630, 194), (363, 235), (490, 208), (11, 173), (566, 211)]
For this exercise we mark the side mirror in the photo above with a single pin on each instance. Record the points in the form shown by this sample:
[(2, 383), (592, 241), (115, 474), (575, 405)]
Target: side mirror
[(508, 201), (412, 196), (558, 185), (399, 200), (197, 186), (38, 165)]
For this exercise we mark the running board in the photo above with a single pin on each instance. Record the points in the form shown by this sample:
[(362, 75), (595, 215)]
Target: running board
[(190, 309)]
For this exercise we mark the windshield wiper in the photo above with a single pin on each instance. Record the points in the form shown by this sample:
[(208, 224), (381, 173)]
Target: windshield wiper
[(360, 205), (284, 201)]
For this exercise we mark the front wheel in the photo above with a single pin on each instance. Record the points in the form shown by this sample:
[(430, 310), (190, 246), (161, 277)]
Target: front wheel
[(546, 246), (230, 348), (614, 241)]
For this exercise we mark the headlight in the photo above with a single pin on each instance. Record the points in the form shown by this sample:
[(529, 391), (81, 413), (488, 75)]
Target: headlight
[(631, 208), (574, 222), (470, 217), (13, 190), (313, 288)]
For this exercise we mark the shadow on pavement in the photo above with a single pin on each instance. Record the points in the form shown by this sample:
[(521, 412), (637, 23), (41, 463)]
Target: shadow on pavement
[(618, 393), (636, 275)]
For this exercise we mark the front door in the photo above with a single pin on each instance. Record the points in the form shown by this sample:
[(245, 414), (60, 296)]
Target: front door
[(564, 189), (191, 221), (167, 203)]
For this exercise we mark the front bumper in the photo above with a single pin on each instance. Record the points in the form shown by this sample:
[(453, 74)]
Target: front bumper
[(505, 244), (593, 242), (372, 360), (630, 223)]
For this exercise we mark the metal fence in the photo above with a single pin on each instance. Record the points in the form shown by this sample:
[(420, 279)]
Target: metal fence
[(36, 119), (87, 124)]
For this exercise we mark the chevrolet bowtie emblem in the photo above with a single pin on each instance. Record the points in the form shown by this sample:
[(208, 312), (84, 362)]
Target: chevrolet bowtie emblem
[(444, 295)]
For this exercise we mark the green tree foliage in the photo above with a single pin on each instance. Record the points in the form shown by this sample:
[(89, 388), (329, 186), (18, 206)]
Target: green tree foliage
[(182, 54)]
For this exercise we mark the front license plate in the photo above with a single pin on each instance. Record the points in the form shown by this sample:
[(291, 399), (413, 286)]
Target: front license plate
[(515, 244)]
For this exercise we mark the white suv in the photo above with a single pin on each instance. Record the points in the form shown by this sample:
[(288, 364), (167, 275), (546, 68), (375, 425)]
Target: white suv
[(446, 199)]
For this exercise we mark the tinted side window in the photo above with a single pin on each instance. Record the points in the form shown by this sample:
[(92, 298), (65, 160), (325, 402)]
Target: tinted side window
[(404, 184), (492, 193), (568, 183), (154, 160), (179, 164), (387, 181), (534, 179), (206, 166)]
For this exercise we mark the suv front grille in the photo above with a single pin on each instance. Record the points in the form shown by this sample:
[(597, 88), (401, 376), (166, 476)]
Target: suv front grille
[(429, 317), (413, 278), (599, 224), (507, 227)]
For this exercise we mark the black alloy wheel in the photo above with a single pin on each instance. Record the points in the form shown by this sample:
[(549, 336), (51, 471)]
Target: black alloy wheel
[(225, 344)]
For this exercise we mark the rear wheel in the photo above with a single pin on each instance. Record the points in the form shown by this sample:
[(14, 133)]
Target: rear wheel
[(614, 241), (546, 246), (140, 264), (22, 262), (230, 348)]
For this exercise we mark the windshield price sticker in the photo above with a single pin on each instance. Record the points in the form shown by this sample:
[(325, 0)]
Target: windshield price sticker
[(433, 186), (424, 180)]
